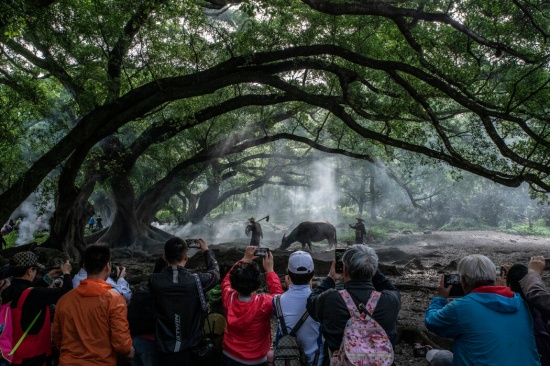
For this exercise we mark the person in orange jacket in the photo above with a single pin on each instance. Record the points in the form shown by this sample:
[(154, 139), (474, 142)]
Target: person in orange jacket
[(90, 324)]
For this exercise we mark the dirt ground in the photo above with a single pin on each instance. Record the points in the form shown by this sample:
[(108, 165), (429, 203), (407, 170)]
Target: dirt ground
[(413, 262)]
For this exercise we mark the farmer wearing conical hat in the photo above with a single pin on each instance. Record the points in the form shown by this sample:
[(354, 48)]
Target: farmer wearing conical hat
[(255, 229), (360, 231)]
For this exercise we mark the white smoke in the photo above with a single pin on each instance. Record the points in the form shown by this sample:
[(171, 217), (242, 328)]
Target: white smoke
[(35, 216), (319, 202)]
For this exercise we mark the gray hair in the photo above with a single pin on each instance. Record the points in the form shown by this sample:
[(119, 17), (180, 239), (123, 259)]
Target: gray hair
[(475, 268), (361, 262)]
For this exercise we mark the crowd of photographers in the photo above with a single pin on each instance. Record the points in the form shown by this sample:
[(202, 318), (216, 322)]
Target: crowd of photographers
[(94, 319)]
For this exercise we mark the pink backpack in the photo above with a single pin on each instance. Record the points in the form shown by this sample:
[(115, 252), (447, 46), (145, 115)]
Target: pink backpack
[(365, 342)]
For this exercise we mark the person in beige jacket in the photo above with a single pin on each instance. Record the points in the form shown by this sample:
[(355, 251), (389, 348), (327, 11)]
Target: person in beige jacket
[(533, 287)]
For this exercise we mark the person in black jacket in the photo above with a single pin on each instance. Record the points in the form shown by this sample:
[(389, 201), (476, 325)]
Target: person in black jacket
[(360, 231), (361, 276), (177, 306)]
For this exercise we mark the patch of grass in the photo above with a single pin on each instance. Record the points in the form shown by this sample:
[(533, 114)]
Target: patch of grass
[(41, 237), (393, 225), (377, 233), (12, 237), (537, 228), (462, 224)]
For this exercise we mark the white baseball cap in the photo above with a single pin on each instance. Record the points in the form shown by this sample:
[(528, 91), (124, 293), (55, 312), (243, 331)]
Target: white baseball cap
[(300, 262)]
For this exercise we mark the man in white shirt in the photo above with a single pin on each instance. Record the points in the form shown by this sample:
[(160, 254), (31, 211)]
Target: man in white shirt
[(120, 285), (293, 305)]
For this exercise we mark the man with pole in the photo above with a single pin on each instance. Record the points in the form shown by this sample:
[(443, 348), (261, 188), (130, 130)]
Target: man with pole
[(360, 231), (255, 229)]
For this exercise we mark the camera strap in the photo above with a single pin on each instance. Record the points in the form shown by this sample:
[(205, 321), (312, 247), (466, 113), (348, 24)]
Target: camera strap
[(201, 293), (204, 304)]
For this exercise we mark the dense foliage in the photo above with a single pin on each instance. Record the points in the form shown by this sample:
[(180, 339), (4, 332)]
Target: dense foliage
[(141, 103)]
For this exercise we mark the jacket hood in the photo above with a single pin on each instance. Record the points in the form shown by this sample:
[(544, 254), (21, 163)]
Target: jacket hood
[(92, 287), (498, 298), (243, 313)]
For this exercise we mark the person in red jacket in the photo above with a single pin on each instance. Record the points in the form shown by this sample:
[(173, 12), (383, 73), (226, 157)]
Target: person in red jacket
[(247, 338)]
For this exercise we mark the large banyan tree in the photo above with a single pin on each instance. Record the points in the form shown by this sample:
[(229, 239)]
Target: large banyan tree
[(92, 92)]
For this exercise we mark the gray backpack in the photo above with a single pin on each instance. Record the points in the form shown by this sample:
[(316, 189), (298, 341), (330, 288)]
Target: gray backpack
[(289, 351)]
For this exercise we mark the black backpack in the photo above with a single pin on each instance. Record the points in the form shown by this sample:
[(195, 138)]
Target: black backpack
[(289, 351)]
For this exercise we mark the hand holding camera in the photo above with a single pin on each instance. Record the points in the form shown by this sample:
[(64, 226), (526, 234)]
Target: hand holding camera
[(537, 264), (261, 252), (66, 267), (116, 272), (450, 286), (268, 261), (249, 254), (196, 244)]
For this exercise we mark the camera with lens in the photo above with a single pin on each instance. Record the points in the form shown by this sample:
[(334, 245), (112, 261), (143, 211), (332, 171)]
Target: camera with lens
[(114, 275), (453, 280), (193, 243), (58, 282), (261, 252), (419, 350)]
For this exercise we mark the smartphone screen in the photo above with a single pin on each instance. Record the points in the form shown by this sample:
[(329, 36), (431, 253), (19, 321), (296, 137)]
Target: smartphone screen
[(453, 280), (261, 252), (547, 264), (338, 254)]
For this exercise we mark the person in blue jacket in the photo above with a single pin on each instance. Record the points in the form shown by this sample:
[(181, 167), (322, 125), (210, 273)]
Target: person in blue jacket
[(490, 325)]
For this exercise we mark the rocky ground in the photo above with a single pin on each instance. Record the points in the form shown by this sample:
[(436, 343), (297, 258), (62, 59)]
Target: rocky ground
[(413, 262)]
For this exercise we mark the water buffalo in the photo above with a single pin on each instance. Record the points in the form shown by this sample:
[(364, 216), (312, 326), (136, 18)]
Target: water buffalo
[(310, 231)]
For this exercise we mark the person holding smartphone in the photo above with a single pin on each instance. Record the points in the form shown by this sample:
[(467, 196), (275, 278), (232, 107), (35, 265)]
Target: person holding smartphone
[(247, 337), (176, 302), (490, 325), (361, 278)]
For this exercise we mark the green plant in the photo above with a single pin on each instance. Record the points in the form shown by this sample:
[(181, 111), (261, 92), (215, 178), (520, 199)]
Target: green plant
[(11, 238), (377, 234)]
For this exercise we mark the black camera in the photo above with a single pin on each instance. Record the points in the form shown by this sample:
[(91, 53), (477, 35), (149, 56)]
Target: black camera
[(114, 274), (419, 350), (58, 282), (261, 252), (193, 243), (453, 280), (338, 254)]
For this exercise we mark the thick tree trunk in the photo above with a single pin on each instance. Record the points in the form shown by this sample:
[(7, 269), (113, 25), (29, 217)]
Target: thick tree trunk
[(208, 201), (131, 226), (372, 190), (125, 228), (71, 215)]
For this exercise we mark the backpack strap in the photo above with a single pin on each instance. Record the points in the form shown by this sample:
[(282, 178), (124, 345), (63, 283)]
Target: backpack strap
[(352, 308), (21, 301), (281, 318), (361, 308), (304, 317)]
